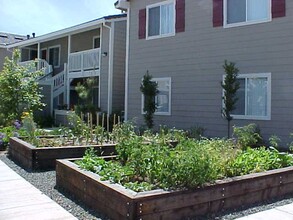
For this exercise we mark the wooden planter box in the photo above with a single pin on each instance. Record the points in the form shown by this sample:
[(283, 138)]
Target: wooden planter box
[(119, 203), (44, 158)]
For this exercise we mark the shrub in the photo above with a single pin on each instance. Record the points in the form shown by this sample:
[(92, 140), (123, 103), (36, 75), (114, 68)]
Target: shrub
[(149, 162), (258, 160), (196, 132), (247, 136)]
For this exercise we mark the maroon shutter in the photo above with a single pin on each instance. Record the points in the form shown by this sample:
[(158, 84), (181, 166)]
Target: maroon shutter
[(180, 16), (278, 8), (218, 13), (142, 24)]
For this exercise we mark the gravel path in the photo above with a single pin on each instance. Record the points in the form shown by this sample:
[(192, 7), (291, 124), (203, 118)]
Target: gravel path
[(45, 182)]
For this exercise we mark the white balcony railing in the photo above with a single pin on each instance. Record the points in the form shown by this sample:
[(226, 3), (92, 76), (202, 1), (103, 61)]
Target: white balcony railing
[(84, 60), (59, 80), (34, 65)]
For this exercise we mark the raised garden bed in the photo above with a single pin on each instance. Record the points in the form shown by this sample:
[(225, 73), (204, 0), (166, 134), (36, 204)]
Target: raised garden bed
[(44, 158), (119, 203)]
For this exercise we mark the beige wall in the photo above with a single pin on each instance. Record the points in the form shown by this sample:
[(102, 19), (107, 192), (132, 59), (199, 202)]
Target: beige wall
[(83, 41)]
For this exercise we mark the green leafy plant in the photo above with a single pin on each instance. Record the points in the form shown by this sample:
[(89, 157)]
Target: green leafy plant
[(258, 160), (274, 141), (19, 89), (30, 128), (196, 132), (247, 136), (230, 86), (149, 90), (79, 128)]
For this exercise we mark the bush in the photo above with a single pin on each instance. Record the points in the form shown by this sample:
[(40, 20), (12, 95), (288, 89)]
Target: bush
[(150, 162), (258, 160), (247, 136), (196, 132)]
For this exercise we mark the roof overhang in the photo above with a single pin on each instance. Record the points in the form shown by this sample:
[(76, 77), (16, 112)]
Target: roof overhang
[(67, 31), (122, 4)]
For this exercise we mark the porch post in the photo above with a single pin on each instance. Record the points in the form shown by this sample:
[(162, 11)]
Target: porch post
[(39, 55), (67, 89)]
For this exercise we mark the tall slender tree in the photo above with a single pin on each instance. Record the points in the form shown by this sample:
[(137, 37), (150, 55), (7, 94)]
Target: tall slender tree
[(230, 86), (149, 89)]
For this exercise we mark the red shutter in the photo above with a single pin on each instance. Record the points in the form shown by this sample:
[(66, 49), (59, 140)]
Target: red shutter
[(142, 24), (218, 13), (278, 8), (180, 16)]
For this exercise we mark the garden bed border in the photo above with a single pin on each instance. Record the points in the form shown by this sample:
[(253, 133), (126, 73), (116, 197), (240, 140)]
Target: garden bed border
[(119, 203), (44, 158)]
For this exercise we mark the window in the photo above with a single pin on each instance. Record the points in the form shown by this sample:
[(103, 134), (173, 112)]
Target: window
[(163, 98), (54, 56), (254, 97), (161, 20), (242, 12), (96, 42)]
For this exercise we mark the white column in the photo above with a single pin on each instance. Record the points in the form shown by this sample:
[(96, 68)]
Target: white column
[(39, 55), (127, 66), (67, 83)]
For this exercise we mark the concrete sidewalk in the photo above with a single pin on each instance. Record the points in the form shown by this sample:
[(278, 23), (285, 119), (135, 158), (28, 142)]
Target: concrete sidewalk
[(279, 213), (21, 200)]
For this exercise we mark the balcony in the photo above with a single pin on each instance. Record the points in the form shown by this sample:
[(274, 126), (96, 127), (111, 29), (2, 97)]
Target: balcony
[(35, 65), (83, 61)]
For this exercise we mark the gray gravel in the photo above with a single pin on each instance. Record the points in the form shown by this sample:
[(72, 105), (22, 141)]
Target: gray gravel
[(45, 182)]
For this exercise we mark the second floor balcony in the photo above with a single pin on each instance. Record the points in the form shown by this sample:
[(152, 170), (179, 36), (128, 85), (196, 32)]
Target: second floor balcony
[(84, 60)]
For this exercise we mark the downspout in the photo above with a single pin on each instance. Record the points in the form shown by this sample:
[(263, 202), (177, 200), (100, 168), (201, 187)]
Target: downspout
[(110, 68), (127, 65)]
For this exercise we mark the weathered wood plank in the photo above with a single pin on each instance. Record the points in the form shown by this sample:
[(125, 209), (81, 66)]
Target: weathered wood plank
[(32, 158), (94, 193), (158, 204)]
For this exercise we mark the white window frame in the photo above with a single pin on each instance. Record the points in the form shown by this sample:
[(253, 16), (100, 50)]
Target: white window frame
[(254, 117), (170, 96), (56, 46), (226, 25), (94, 38), (147, 20)]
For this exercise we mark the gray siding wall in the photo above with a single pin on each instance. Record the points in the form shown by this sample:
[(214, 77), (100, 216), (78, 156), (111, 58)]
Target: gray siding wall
[(24, 54), (193, 59), (4, 53), (119, 66), (46, 92), (104, 68)]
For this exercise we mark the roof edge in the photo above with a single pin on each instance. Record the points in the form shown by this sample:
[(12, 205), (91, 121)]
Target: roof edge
[(66, 31)]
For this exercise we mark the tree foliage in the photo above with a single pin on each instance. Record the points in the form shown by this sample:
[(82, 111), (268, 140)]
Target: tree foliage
[(85, 92), (230, 86), (149, 89), (19, 89)]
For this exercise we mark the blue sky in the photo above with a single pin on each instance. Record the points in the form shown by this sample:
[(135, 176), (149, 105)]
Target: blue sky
[(45, 16)]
